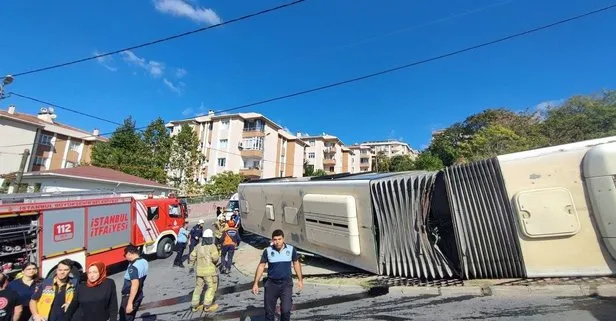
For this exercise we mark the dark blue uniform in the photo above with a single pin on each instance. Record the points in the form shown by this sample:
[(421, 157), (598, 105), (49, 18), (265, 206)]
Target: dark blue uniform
[(279, 282), (137, 270)]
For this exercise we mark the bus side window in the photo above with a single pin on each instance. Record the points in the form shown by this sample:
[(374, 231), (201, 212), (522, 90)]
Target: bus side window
[(152, 213), (174, 211)]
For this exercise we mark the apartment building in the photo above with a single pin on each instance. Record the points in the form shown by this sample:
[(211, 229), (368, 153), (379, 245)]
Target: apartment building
[(246, 143), (326, 152), (362, 159), (391, 148), (52, 145)]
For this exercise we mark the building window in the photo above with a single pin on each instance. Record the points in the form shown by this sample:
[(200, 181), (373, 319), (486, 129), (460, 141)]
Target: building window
[(70, 164), (224, 124), (223, 143), (39, 160), (46, 140), (252, 143), (256, 125), (74, 146), (311, 155), (222, 162), (331, 168), (311, 142)]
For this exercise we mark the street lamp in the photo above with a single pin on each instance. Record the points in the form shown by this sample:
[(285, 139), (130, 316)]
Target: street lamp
[(6, 80)]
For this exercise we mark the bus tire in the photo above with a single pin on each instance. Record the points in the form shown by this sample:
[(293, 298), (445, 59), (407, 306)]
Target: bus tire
[(164, 248)]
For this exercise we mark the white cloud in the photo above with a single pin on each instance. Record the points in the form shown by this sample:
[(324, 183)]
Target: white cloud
[(180, 72), (187, 112), (176, 88), (181, 8), (104, 61), (550, 103), (154, 68)]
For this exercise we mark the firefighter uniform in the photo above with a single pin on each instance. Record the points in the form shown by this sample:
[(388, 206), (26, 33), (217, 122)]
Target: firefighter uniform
[(279, 283), (203, 260), (230, 241)]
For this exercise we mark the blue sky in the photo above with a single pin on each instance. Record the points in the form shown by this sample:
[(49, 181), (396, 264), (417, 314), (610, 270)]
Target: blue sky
[(307, 45)]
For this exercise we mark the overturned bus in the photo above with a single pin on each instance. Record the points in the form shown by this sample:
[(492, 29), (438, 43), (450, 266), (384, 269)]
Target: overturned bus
[(549, 212)]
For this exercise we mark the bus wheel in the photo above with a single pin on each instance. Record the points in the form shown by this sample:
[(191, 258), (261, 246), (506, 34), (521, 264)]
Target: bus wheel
[(164, 248)]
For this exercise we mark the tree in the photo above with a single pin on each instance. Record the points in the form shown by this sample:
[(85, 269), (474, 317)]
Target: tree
[(427, 161), (308, 169), (319, 172), (224, 184), (491, 141), (581, 118), (158, 148), (125, 151), (381, 162), (401, 163), (185, 161)]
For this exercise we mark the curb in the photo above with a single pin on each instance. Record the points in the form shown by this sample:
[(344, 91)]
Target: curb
[(607, 290)]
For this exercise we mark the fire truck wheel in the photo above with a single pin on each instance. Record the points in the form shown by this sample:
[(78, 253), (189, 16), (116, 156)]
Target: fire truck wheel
[(164, 248)]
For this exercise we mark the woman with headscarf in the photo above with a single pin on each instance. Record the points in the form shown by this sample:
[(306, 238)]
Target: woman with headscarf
[(24, 285), (96, 299)]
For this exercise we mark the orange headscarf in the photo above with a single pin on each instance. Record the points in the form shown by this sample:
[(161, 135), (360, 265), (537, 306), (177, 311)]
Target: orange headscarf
[(102, 272)]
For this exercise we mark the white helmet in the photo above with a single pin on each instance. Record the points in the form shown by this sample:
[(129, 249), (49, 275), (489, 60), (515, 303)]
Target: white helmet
[(201, 221), (208, 233)]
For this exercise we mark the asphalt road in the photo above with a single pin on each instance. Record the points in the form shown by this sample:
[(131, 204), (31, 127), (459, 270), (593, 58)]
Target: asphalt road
[(168, 293)]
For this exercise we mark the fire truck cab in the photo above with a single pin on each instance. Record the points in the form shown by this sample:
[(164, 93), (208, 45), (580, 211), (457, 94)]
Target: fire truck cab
[(85, 228)]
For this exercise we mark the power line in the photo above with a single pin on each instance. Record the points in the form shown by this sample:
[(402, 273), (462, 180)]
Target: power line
[(452, 53), (420, 62), (64, 108), (150, 43)]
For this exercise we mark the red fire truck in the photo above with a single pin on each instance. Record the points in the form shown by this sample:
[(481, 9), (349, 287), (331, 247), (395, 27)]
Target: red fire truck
[(96, 228)]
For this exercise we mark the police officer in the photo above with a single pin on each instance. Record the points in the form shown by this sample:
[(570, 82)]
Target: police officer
[(279, 283)]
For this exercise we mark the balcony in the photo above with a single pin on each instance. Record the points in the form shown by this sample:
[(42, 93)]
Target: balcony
[(254, 153), (329, 162), (253, 131), (251, 172), (364, 166), (329, 150)]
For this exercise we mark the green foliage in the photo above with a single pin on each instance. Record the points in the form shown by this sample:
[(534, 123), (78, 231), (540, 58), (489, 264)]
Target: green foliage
[(500, 131), (225, 184), (308, 169), (401, 163), (144, 155), (427, 161), (185, 161), (381, 163), (319, 172)]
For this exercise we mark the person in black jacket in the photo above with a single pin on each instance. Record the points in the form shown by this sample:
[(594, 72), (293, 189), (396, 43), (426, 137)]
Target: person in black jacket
[(95, 300)]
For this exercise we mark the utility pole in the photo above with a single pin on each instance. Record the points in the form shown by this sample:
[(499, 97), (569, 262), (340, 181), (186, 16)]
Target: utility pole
[(22, 167)]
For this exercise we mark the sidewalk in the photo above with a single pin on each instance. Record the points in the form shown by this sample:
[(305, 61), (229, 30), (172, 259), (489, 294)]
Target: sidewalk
[(249, 253), (328, 272)]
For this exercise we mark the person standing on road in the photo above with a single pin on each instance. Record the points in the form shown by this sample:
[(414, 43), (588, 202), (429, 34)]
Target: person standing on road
[(195, 235), (10, 307), (96, 299), (203, 259), (54, 294), (279, 258), (134, 278), (230, 241), (180, 246)]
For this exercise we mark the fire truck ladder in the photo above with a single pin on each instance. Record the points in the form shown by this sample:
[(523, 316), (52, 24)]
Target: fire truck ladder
[(66, 196)]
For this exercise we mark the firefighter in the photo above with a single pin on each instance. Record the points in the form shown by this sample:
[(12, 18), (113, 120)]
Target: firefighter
[(230, 241), (219, 225), (203, 259), (195, 235)]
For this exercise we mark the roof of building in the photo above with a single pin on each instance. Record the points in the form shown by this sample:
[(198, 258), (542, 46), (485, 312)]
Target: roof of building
[(49, 126), (210, 117), (99, 174), (323, 137)]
